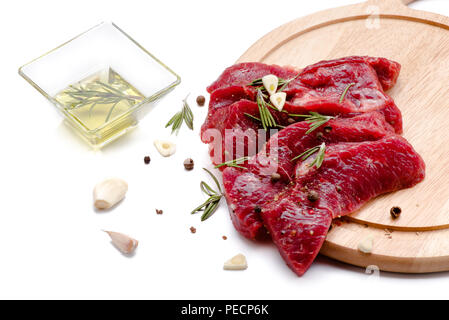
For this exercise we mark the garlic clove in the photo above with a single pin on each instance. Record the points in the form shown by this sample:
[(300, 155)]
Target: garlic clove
[(366, 245), (165, 148), (236, 263), (278, 100), (122, 242), (109, 192), (270, 82)]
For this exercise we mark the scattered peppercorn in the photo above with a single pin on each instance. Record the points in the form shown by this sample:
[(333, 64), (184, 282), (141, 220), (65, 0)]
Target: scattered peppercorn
[(275, 177), (327, 129), (312, 196), (338, 188), (147, 160), (193, 229), (319, 135), (395, 212), (257, 209), (188, 164), (200, 100), (158, 211), (225, 238), (291, 120)]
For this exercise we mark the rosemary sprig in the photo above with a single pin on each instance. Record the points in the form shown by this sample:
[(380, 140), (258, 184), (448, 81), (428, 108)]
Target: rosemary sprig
[(258, 119), (282, 83), (185, 115), (93, 97), (265, 115), (314, 119), (211, 204), (318, 161), (343, 95), (287, 82), (233, 163)]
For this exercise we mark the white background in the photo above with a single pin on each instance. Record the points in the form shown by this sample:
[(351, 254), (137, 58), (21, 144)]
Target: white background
[(51, 243)]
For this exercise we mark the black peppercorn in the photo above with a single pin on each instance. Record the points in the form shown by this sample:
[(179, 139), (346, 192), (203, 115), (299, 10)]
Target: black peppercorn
[(312, 196), (188, 164), (257, 209), (147, 160), (395, 212), (200, 100), (275, 177)]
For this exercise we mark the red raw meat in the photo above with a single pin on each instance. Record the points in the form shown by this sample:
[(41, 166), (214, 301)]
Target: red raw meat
[(245, 190), (327, 80), (242, 74), (318, 88), (294, 202), (351, 174)]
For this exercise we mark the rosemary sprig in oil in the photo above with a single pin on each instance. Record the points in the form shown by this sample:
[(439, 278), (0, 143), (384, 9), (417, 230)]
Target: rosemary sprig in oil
[(314, 119), (233, 163), (318, 161), (185, 115), (105, 94), (211, 204)]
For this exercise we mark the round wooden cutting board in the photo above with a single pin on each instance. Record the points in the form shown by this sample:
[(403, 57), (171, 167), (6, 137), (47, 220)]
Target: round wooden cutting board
[(419, 240)]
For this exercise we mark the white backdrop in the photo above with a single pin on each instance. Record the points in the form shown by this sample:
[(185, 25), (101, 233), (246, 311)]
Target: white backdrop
[(51, 242)]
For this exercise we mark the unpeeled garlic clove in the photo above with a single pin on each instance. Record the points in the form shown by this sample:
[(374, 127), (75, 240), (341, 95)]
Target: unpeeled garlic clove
[(165, 148), (236, 263), (122, 242), (270, 82), (109, 192), (366, 245), (278, 100)]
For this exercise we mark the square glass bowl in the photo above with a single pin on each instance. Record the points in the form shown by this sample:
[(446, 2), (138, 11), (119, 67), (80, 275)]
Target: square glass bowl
[(101, 81)]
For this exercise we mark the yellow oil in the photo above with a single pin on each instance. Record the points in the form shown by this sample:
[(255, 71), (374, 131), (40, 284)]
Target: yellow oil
[(94, 102)]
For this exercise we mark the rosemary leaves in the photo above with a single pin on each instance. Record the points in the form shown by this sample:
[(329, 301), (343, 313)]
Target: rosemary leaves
[(266, 118), (185, 115), (318, 161), (345, 92), (94, 99), (233, 163), (314, 119), (282, 83), (211, 204)]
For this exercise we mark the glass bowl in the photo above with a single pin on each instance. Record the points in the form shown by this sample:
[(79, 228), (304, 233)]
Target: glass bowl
[(93, 66)]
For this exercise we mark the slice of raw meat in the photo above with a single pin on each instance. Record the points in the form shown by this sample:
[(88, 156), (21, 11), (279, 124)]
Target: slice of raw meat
[(242, 74), (221, 100), (238, 134), (351, 174), (318, 88), (247, 190), (365, 84)]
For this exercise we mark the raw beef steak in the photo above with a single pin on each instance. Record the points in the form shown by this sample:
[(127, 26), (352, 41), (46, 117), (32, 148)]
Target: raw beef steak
[(352, 173), (317, 88), (246, 190)]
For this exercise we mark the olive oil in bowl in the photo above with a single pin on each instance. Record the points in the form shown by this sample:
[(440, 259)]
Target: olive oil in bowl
[(97, 100)]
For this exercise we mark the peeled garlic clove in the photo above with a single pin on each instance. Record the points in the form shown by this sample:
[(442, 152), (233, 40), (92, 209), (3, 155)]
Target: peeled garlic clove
[(366, 245), (122, 242), (278, 100), (236, 263), (109, 192), (165, 148), (270, 82)]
